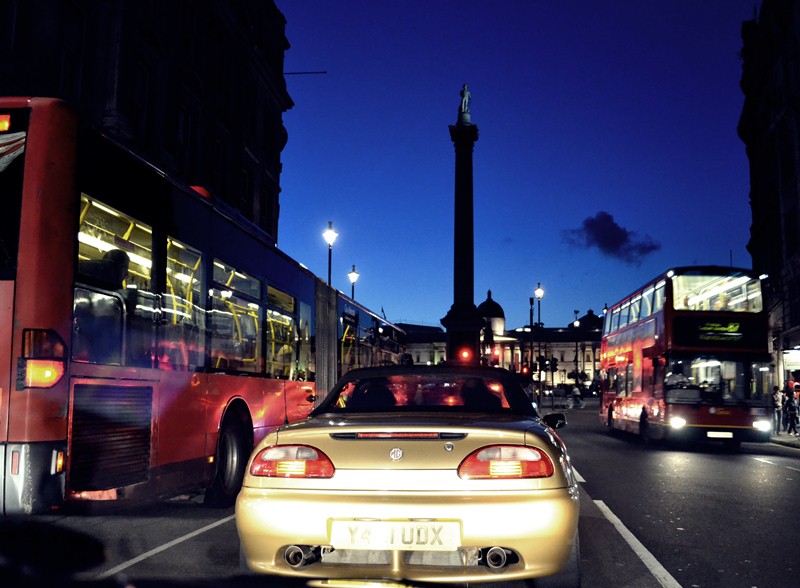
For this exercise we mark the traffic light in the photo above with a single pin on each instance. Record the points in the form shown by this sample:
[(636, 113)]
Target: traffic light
[(525, 375), (553, 364), (465, 354)]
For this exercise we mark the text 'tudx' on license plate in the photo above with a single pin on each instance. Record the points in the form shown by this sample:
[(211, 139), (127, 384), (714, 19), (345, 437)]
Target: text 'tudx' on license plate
[(396, 535)]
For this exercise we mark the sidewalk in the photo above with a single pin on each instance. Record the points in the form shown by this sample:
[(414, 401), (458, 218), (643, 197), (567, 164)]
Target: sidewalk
[(786, 439)]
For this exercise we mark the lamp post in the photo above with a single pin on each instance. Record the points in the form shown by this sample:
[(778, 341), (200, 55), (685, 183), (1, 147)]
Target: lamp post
[(539, 294), (330, 236), (353, 275), (576, 324), (530, 349)]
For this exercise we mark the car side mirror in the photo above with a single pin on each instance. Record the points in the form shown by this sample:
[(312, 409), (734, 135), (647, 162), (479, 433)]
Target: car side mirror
[(555, 420)]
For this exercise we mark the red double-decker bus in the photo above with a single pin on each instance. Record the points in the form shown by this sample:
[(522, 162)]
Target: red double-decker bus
[(685, 357), (149, 336)]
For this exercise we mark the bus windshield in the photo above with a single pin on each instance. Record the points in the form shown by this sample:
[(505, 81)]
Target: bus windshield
[(711, 380), (733, 292)]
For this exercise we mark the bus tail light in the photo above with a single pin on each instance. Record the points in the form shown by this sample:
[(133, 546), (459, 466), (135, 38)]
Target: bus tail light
[(44, 359), (497, 462), (292, 461)]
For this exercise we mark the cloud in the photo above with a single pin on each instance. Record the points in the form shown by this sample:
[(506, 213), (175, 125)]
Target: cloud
[(603, 232)]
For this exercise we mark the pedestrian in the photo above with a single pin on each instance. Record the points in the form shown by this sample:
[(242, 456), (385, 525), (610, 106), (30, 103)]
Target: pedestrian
[(791, 413), (777, 409)]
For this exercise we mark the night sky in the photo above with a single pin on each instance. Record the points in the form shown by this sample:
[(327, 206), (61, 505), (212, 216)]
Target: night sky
[(607, 150)]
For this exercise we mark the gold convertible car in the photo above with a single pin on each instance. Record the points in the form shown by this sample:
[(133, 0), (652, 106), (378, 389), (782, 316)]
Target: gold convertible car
[(415, 473)]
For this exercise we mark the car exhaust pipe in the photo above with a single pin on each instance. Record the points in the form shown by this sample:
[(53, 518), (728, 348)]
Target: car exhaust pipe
[(496, 558), (298, 556)]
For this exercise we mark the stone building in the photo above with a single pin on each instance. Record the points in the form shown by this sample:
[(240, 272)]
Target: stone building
[(770, 129), (564, 351), (196, 88)]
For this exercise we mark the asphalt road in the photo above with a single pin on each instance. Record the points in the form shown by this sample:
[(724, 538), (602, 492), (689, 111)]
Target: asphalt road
[(651, 516)]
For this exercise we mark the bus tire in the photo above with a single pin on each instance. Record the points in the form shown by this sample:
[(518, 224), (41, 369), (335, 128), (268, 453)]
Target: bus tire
[(233, 451)]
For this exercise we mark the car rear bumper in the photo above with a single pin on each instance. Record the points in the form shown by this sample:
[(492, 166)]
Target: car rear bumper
[(535, 528)]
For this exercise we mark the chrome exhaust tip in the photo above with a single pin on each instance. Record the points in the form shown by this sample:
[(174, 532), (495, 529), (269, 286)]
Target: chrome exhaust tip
[(496, 558), (298, 556)]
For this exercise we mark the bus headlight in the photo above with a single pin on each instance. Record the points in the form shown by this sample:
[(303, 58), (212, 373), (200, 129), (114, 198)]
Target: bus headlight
[(677, 422), (762, 425)]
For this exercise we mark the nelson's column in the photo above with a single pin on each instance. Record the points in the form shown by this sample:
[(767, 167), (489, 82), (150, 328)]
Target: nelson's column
[(462, 322)]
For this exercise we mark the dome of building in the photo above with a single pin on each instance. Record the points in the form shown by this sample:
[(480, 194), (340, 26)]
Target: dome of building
[(490, 309), (493, 314)]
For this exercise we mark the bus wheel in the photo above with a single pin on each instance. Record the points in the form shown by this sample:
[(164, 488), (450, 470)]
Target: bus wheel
[(232, 454)]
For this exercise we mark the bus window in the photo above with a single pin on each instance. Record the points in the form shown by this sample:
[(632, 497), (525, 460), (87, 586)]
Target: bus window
[(624, 313), (97, 327), (183, 325), (234, 321), (647, 303), (103, 235), (115, 254), (634, 313), (282, 340), (12, 145), (658, 299), (615, 320), (305, 359)]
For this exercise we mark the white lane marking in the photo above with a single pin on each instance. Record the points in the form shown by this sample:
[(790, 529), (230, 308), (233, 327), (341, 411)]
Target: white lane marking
[(173, 543), (659, 572), (578, 477), (761, 459)]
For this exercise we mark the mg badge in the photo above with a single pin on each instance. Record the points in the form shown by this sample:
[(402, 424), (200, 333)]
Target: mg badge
[(396, 454)]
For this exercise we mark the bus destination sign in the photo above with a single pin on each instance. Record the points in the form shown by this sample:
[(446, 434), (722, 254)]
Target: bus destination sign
[(692, 331)]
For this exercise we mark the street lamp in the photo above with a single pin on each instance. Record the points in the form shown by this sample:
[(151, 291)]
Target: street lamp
[(539, 294), (530, 349), (330, 236), (353, 275), (576, 324)]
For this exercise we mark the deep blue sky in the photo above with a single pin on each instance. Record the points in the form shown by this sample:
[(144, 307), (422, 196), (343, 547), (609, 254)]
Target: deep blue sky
[(607, 152)]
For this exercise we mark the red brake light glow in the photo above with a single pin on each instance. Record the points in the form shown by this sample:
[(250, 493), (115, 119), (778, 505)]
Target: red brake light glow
[(506, 461), (291, 461)]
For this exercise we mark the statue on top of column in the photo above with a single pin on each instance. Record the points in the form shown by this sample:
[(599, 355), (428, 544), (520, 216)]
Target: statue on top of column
[(465, 98), (463, 108)]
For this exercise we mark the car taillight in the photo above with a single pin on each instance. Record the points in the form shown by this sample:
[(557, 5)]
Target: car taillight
[(44, 359), (504, 462), (292, 461)]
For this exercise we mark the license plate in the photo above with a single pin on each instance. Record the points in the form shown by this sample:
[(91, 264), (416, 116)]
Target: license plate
[(719, 435), (396, 535)]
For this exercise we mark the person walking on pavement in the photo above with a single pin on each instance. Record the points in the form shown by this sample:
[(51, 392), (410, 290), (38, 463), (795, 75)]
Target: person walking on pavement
[(791, 412), (777, 409)]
